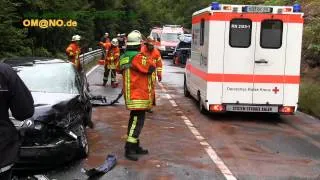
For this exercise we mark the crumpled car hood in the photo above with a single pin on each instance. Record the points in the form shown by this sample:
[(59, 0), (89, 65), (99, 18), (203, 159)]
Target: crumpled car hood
[(41, 99), (54, 108)]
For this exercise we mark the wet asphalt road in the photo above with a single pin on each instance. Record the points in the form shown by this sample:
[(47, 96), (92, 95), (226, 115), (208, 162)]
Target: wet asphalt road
[(251, 146)]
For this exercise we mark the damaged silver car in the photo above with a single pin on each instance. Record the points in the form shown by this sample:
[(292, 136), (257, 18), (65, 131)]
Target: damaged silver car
[(57, 131)]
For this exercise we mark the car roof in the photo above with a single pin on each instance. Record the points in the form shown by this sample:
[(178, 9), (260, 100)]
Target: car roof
[(31, 61)]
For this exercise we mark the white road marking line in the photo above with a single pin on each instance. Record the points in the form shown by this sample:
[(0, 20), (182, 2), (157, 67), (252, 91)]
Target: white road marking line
[(91, 70), (210, 151), (173, 103)]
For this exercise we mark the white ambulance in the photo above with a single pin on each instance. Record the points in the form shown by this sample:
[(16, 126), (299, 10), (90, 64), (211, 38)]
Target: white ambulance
[(245, 58), (169, 39)]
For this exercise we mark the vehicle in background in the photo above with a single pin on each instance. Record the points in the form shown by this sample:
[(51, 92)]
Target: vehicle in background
[(57, 131), (245, 58), (169, 39), (183, 50), (156, 34)]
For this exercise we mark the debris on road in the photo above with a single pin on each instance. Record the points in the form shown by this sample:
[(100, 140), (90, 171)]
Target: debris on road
[(108, 164), (103, 101)]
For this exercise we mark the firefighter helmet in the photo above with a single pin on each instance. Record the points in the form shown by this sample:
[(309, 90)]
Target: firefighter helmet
[(134, 38), (76, 38), (115, 42)]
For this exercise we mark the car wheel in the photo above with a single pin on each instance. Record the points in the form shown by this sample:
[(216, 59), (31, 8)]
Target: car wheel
[(185, 88), (83, 142)]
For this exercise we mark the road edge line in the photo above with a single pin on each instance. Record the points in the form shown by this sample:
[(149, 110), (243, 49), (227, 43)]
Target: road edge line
[(209, 150), (91, 70)]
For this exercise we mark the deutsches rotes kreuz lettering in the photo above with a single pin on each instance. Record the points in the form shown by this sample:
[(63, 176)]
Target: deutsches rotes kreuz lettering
[(248, 89)]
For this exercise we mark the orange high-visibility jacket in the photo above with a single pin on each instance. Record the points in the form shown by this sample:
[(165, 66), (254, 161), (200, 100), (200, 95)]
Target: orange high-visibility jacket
[(73, 52), (112, 58), (137, 80), (156, 56)]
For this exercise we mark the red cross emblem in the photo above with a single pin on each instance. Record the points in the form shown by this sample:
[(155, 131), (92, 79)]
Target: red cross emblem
[(275, 90)]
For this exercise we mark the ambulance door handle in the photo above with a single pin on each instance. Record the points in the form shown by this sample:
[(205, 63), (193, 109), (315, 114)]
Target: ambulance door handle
[(260, 61)]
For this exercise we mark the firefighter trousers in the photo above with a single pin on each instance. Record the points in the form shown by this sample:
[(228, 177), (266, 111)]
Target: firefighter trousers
[(106, 75), (135, 125)]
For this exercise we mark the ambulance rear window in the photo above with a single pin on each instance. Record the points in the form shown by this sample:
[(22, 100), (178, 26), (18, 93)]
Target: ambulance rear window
[(271, 34), (240, 33)]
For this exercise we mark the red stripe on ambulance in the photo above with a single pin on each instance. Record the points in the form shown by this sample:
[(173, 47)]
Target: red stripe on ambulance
[(243, 78)]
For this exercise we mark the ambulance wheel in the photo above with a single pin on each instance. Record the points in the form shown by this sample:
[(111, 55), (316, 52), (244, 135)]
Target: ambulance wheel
[(185, 88), (201, 106)]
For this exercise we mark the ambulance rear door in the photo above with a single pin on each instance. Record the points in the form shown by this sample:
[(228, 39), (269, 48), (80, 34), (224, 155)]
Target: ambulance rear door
[(269, 60), (238, 66)]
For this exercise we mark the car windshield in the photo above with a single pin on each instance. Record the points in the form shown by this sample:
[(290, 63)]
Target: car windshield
[(50, 78), (169, 37)]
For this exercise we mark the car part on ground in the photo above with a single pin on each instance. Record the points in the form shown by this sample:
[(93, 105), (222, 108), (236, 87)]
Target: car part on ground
[(108, 164)]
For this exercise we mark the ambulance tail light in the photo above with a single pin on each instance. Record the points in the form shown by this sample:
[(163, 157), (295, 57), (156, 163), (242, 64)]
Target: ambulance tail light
[(215, 6), (286, 109), (296, 8), (217, 108)]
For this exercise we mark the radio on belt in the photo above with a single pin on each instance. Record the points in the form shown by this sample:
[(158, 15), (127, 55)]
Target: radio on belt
[(242, 58)]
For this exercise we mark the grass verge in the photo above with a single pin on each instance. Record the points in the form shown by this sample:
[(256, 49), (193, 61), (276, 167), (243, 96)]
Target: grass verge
[(309, 99), (90, 65)]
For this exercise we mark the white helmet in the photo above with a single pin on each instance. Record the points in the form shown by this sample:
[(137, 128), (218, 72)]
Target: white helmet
[(134, 38), (115, 42), (181, 37), (76, 38), (107, 34)]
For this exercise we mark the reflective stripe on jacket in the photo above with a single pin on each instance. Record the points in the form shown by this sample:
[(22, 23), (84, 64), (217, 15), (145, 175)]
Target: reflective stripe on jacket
[(137, 81)]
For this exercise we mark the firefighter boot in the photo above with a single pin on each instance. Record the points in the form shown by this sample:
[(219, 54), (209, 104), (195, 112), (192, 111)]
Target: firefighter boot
[(130, 151), (140, 150)]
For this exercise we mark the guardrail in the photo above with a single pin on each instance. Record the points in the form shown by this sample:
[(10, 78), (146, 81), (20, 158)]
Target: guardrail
[(90, 56)]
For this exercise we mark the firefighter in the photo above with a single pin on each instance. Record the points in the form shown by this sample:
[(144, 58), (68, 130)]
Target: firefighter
[(105, 38), (105, 47), (149, 50), (73, 52), (122, 43), (112, 58), (136, 69)]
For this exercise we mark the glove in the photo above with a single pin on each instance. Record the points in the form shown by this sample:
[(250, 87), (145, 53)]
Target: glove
[(159, 78), (151, 69)]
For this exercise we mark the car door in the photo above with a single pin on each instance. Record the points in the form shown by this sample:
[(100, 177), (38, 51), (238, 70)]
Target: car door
[(238, 67), (269, 61)]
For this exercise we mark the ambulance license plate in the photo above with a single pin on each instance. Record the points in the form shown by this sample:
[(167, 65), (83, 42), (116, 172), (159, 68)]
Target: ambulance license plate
[(243, 108)]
